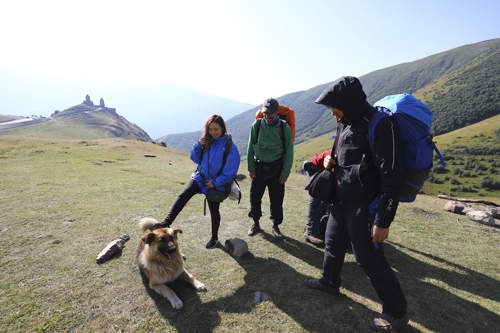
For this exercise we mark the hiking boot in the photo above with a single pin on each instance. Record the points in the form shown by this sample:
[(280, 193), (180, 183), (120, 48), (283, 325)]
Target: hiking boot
[(311, 238), (316, 284), (212, 243), (254, 229), (387, 323), (277, 233)]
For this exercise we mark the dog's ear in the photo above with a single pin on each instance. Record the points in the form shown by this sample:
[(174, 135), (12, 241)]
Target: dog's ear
[(148, 238), (177, 230)]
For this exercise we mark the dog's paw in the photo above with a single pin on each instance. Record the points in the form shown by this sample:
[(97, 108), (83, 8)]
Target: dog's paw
[(176, 303), (200, 286)]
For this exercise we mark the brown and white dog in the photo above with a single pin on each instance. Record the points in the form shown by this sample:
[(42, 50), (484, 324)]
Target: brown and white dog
[(160, 260)]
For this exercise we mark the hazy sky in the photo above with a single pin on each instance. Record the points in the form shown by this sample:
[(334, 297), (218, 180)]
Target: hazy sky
[(243, 50)]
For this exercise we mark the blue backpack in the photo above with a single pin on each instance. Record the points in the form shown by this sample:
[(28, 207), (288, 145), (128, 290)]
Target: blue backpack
[(414, 120)]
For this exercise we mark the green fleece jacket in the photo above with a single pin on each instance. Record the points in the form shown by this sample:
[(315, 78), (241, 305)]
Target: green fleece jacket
[(269, 147)]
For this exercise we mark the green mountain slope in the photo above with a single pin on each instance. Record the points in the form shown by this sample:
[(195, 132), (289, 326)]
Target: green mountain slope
[(461, 86)]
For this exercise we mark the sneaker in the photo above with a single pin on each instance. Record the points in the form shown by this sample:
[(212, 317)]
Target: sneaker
[(254, 229), (387, 323), (311, 238), (316, 284), (277, 233), (212, 243)]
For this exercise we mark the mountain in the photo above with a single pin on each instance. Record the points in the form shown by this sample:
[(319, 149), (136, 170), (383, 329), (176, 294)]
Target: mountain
[(84, 121), (102, 118), (159, 108), (461, 86)]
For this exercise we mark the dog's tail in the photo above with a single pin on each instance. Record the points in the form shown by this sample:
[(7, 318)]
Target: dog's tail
[(146, 223)]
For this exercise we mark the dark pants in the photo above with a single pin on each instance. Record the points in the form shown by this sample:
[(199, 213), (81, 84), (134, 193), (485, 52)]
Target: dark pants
[(316, 208), (190, 191), (276, 197), (352, 221)]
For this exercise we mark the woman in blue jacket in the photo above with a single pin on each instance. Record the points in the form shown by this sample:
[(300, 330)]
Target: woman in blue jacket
[(208, 153)]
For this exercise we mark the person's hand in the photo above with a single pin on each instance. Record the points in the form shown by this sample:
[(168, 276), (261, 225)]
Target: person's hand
[(328, 162), (202, 141), (379, 234), (251, 174), (209, 184), (283, 179)]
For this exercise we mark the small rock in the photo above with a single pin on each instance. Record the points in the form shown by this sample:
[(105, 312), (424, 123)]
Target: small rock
[(468, 210), (454, 207), (482, 217), (236, 246), (149, 155), (493, 211)]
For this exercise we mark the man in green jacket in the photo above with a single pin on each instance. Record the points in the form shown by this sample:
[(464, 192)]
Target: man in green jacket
[(269, 161)]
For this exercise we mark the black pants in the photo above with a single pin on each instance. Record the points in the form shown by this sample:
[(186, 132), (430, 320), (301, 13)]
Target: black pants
[(352, 221), (276, 197), (190, 191)]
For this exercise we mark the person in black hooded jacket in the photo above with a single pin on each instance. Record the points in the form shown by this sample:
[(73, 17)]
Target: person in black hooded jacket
[(366, 200)]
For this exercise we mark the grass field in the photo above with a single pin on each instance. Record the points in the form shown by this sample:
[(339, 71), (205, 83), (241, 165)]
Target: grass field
[(62, 201)]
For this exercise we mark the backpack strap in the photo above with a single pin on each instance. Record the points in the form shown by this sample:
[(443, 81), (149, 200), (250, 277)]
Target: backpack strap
[(229, 142), (443, 163), (257, 129), (372, 124)]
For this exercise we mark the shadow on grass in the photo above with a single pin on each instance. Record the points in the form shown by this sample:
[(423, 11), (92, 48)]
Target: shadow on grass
[(433, 302), (445, 299)]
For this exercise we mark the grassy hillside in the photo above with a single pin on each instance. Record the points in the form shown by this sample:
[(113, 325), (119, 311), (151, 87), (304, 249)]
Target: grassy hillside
[(461, 86), (81, 122), (63, 129), (472, 155), (107, 120), (62, 201), (4, 118)]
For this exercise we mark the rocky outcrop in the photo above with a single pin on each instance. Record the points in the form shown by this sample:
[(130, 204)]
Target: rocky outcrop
[(484, 216)]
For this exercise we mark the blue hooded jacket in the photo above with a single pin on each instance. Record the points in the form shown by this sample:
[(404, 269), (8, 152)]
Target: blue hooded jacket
[(210, 162)]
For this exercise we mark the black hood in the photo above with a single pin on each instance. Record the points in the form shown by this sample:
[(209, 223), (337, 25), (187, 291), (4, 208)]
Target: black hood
[(347, 95)]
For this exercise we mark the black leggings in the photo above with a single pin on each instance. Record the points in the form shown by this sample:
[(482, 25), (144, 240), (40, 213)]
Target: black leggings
[(190, 191)]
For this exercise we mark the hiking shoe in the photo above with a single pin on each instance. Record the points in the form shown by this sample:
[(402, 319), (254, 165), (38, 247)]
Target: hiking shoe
[(316, 284), (387, 323), (212, 243), (277, 233), (311, 238), (254, 229)]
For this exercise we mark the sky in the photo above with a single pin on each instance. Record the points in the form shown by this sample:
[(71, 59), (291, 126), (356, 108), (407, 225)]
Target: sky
[(243, 50)]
